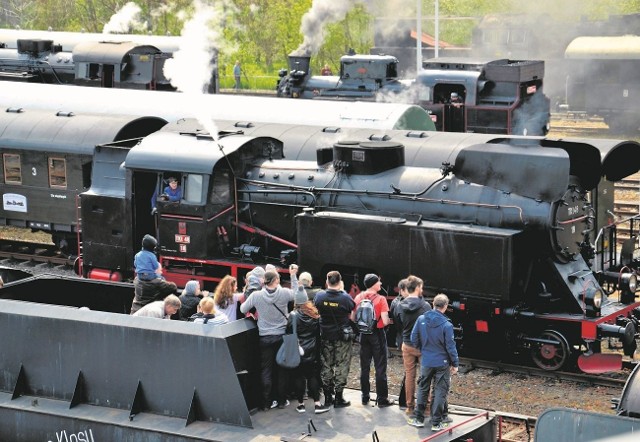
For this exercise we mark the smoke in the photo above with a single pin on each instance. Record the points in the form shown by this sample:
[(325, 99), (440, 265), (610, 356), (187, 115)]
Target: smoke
[(409, 92), (191, 68), (125, 21), (532, 117), (315, 21)]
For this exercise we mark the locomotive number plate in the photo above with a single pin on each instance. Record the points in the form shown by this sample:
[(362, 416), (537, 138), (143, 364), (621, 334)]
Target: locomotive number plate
[(183, 239)]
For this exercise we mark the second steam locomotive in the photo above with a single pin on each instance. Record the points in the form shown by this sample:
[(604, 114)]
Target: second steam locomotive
[(461, 94), (503, 226)]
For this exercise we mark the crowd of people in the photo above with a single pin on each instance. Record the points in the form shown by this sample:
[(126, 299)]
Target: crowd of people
[(326, 321)]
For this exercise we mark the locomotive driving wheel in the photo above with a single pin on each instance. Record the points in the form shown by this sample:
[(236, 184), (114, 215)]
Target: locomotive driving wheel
[(553, 353)]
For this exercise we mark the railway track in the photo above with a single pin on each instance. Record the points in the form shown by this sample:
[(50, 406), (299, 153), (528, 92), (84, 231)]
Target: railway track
[(627, 202), (615, 381), (31, 254)]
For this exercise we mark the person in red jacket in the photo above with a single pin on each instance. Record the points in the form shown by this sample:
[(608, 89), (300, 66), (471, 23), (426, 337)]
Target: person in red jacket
[(374, 346)]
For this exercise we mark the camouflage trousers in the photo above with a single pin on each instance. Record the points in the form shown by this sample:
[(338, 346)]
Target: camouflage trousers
[(335, 357)]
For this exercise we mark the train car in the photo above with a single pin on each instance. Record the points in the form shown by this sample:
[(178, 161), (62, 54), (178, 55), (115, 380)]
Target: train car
[(213, 107), (119, 64), (603, 79), (47, 161), (491, 96)]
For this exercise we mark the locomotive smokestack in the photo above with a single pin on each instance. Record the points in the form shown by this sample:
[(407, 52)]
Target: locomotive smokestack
[(300, 63)]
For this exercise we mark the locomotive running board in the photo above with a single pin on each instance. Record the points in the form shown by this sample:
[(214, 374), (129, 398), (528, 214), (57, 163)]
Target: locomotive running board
[(600, 363)]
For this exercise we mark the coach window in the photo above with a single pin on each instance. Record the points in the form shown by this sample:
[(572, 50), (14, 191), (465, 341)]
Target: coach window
[(192, 188), (12, 168), (57, 173)]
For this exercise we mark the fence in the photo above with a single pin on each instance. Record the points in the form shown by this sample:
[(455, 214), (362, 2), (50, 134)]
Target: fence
[(257, 82)]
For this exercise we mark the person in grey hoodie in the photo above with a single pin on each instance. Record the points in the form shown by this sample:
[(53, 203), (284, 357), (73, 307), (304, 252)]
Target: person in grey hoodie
[(433, 335), (408, 311), (271, 305)]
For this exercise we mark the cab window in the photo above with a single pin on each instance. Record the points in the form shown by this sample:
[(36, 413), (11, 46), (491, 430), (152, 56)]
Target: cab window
[(57, 173), (12, 168), (193, 188), (221, 189)]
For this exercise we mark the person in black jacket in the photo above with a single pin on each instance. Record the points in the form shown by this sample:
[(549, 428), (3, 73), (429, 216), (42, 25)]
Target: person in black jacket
[(334, 306), (308, 372), (190, 298), (394, 310), (408, 311)]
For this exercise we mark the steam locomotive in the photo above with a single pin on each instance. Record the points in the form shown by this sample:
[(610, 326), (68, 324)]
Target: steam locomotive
[(504, 226), (495, 96), (99, 64), (125, 61)]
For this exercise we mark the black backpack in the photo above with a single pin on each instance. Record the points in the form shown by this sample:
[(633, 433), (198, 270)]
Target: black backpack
[(366, 317)]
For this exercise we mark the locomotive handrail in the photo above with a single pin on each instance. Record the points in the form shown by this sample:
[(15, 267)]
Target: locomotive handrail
[(615, 224), (380, 194)]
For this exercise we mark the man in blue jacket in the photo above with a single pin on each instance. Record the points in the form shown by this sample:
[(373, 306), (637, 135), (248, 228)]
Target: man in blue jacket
[(433, 335)]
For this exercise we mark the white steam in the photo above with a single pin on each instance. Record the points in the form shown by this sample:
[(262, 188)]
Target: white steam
[(315, 21), (192, 66), (125, 21)]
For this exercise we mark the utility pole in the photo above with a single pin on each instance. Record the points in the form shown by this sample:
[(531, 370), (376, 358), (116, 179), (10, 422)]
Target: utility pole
[(418, 35), (437, 36)]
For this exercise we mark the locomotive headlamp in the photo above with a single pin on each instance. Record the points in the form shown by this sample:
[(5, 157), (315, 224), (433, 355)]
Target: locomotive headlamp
[(628, 287), (593, 301)]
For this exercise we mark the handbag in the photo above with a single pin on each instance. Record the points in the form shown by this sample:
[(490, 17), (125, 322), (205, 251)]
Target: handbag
[(288, 355), (348, 335), (346, 332)]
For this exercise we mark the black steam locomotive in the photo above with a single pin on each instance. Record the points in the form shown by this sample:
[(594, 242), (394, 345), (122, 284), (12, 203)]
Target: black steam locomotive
[(461, 94), (503, 226)]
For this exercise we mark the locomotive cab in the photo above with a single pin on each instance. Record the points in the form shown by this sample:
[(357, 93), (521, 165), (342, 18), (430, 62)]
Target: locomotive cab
[(498, 96), (200, 228)]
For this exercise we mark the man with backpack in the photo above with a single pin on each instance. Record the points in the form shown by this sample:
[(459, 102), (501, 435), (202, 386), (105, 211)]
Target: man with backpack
[(371, 315)]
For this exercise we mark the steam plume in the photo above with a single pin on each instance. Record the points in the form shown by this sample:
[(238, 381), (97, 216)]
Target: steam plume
[(191, 68), (315, 21), (125, 20)]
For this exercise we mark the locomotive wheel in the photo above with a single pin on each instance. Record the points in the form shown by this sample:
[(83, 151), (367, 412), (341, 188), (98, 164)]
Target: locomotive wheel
[(551, 356)]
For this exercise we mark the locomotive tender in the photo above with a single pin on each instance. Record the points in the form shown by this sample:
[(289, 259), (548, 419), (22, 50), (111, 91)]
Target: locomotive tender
[(497, 96), (503, 226)]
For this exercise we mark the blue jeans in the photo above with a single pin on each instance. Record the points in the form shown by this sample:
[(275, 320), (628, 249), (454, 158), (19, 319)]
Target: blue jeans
[(441, 378)]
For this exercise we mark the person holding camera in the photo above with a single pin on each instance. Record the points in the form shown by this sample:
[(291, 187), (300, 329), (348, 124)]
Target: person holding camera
[(334, 306), (271, 303), (171, 193)]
